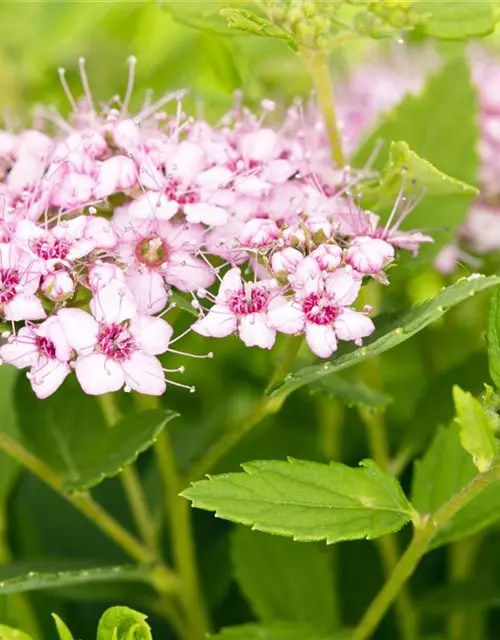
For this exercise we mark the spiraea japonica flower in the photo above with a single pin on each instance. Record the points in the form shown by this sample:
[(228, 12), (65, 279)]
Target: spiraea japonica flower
[(249, 219)]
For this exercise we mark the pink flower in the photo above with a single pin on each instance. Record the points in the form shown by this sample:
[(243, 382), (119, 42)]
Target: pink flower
[(45, 350), (114, 346), (240, 306), (18, 285)]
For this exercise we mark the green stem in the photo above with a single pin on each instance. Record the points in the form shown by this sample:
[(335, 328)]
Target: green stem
[(320, 73), (91, 510), (182, 538), (264, 407), (406, 616), (417, 549), (131, 482)]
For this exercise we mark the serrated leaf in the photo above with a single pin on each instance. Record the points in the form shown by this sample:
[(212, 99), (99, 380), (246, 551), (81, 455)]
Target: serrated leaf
[(476, 430), (245, 20), (444, 470), (276, 631), (493, 338), (69, 433), (457, 20), (351, 392), (427, 123), (62, 630), (122, 623), (307, 501), (283, 579), (8, 633), (34, 581), (406, 170), (389, 333)]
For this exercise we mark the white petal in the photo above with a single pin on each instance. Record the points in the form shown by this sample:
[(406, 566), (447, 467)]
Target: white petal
[(98, 374), (113, 303), (21, 350), (148, 289), (48, 378), (144, 373), (255, 332), (24, 307), (80, 329), (188, 273), (351, 325), (209, 214), (218, 323), (230, 282), (151, 334), (321, 339), (285, 315)]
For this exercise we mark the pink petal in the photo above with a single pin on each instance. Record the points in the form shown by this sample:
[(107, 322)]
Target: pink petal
[(255, 332), (52, 330), (113, 303), (259, 145), (98, 374), (24, 307), (343, 285), (152, 205), (152, 334), (80, 329), (230, 282), (20, 351), (321, 339), (148, 289), (144, 373), (188, 273), (285, 315), (49, 377), (218, 323), (209, 214)]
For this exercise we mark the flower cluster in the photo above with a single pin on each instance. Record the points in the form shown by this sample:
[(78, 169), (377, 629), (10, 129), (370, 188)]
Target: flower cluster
[(107, 215)]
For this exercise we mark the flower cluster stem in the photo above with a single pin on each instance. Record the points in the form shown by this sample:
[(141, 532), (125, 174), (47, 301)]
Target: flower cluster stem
[(417, 549)]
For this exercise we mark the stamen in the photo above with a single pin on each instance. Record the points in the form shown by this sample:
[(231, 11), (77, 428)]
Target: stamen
[(66, 89), (132, 61), (85, 84)]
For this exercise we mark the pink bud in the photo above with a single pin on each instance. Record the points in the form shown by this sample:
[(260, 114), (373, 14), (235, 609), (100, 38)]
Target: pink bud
[(369, 255), (286, 260), (294, 236), (319, 225), (259, 232), (58, 286), (328, 256)]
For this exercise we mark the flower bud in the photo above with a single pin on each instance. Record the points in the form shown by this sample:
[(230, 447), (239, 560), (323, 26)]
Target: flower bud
[(369, 255), (286, 260), (259, 233), (328, 256), (58, 286)]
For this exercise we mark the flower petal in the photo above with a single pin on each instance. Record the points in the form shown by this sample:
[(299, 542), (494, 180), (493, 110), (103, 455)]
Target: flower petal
[(79, 328), (351, 325), (148, 289), (113, 303), (151, 334), (321, 339), (255, 332), (98, 374), (49, 377), (144, 373), (218, 323), (285, 315)]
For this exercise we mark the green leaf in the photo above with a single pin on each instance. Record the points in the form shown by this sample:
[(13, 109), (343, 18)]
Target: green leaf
[(476, 431), (444, 470), (252, 23), (8, 467), (351, 392), (389, 333), (33, 581), (493, 338), (284, 580), (69, 433), (307, 500), (277, 631), (62, 630), (406, 170), (122, 623), (427, 123), (457, 20), (473, 594), (7, 633)]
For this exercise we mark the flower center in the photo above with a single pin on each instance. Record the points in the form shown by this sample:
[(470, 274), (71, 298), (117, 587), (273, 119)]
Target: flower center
[(319, 310), (9, 279), (116, 341), (172, 193), (151, 251), (49, 248), (45, 347), (250, 299)]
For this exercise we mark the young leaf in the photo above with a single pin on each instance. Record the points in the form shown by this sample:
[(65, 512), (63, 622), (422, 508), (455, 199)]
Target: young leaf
[(33, 581), (284, 580), (350, 392), (444, 470), (427, 123), (8, 633), (122, 623), (476, 432), (62, 630), (457, 20), (389, 333), (307, 500), (69, 433), (276, 631), (252, 23), (493, 338), (405, 169)]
